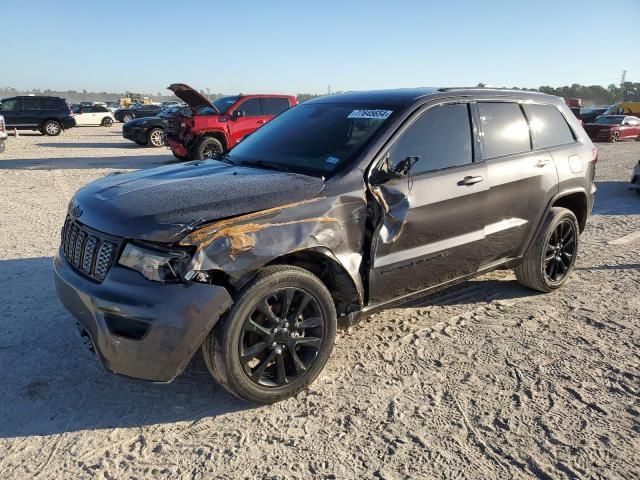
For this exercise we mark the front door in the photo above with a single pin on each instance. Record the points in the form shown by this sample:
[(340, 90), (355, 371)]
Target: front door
[(433, 224), (250, 119)]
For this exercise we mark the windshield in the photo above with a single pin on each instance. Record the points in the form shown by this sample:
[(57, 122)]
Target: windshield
[(609, 120), (312, 138), (224, 103)]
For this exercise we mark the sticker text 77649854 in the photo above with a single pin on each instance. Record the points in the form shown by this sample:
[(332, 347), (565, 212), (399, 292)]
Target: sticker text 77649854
[(372, 114)]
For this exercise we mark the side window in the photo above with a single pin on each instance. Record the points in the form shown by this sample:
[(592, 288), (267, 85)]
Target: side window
[(275, 106), (251, 108), (504, 129), (548, 126), (31, 103), (9, 105), (440, 138)]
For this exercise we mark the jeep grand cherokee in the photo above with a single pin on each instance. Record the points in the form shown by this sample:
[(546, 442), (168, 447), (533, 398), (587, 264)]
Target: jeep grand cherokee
[(339, 206)]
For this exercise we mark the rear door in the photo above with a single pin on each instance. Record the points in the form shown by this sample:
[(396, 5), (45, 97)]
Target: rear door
[(432, 228), (30, 114), (252, 118), (272, 106), (521, 173)]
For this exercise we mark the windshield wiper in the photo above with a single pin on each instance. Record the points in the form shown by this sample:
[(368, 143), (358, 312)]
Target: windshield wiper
[(264, 165)]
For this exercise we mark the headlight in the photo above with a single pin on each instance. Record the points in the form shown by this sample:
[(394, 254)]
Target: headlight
[(160, 266)]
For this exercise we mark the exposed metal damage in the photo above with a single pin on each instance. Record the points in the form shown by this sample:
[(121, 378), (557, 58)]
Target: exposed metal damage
[(317, 234)]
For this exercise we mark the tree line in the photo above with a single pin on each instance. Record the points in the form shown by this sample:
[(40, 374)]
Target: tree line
[(590, 94)]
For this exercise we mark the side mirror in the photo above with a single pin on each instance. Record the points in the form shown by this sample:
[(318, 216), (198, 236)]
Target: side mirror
[(237, 114), (386, 172)]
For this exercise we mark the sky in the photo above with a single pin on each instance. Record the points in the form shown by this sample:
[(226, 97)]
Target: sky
[(307, 46)]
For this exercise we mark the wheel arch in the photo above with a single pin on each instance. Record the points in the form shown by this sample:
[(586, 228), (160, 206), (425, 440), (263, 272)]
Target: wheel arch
[(217, 134), (577, 202), (319, 261)]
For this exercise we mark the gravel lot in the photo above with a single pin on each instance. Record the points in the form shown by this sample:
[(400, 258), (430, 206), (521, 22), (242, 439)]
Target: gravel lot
[(487, 380)]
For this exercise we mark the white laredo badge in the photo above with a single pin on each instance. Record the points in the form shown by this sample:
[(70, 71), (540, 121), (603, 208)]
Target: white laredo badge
[(374, 114)]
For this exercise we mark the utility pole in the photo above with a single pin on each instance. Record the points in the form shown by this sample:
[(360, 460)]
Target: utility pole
[(623, 80)]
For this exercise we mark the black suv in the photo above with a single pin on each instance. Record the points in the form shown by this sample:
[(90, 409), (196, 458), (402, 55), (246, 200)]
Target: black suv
[(137, 111), (339, 206), (49, 115)]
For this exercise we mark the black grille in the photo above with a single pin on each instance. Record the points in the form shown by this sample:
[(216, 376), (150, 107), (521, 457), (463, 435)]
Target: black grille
[(88, 251)]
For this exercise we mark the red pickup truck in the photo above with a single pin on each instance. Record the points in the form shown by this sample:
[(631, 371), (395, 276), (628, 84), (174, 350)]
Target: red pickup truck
[(216, 127)]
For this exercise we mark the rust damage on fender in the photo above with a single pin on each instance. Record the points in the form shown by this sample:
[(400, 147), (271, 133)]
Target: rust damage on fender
[(317, 234)]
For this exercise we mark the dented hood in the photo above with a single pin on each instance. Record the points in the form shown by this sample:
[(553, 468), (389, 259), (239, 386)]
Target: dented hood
[(162, 204), (190, 96)]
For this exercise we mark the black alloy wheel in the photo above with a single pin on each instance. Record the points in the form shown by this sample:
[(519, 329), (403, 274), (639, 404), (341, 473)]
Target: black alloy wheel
[(281, 338), (561, 249)]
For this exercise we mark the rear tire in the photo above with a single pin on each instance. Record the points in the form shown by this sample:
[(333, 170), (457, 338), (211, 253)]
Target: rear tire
[(154, 137), (267, 357), (207, 148), (551, 256), (51, 128), (107, 122)]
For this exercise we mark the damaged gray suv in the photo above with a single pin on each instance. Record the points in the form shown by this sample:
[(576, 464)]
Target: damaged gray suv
[(339, 206)]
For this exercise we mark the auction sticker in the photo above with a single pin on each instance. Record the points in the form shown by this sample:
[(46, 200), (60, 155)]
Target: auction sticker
[(374, 114)]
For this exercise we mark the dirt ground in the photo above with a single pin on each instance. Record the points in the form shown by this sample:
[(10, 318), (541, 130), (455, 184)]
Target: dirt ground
[(487, 380)]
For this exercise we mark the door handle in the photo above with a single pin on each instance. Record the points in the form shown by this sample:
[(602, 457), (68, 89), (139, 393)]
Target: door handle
[(543, 162), (470, 180)]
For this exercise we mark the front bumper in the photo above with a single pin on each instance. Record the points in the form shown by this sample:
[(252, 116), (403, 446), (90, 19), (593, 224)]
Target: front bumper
[(180, 317), (635, 179), (176, 147), (135, 134)]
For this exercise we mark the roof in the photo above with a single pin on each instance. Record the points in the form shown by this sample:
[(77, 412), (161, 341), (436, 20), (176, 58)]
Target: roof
[(408, 96)]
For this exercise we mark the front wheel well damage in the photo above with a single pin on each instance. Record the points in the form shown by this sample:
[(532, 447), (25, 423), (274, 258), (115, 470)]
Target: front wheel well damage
[(217, 135), (335, 277), (577, 203)]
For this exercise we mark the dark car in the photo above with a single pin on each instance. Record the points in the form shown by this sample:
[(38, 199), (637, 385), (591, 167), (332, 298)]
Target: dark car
[(3, 134), (150, 130), (137, 111), (49, 115), (588, 115), (337, 207), (613, 128)]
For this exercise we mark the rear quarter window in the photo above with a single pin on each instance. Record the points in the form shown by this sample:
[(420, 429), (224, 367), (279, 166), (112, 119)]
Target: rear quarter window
[(504, 129), (275, 106), (548, 126)]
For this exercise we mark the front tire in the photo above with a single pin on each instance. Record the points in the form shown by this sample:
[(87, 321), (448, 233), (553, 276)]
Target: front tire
[(551, 257), (276, 338), (207, 148), (615, 137), (154, 137), (51, 128), (127, 118)]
